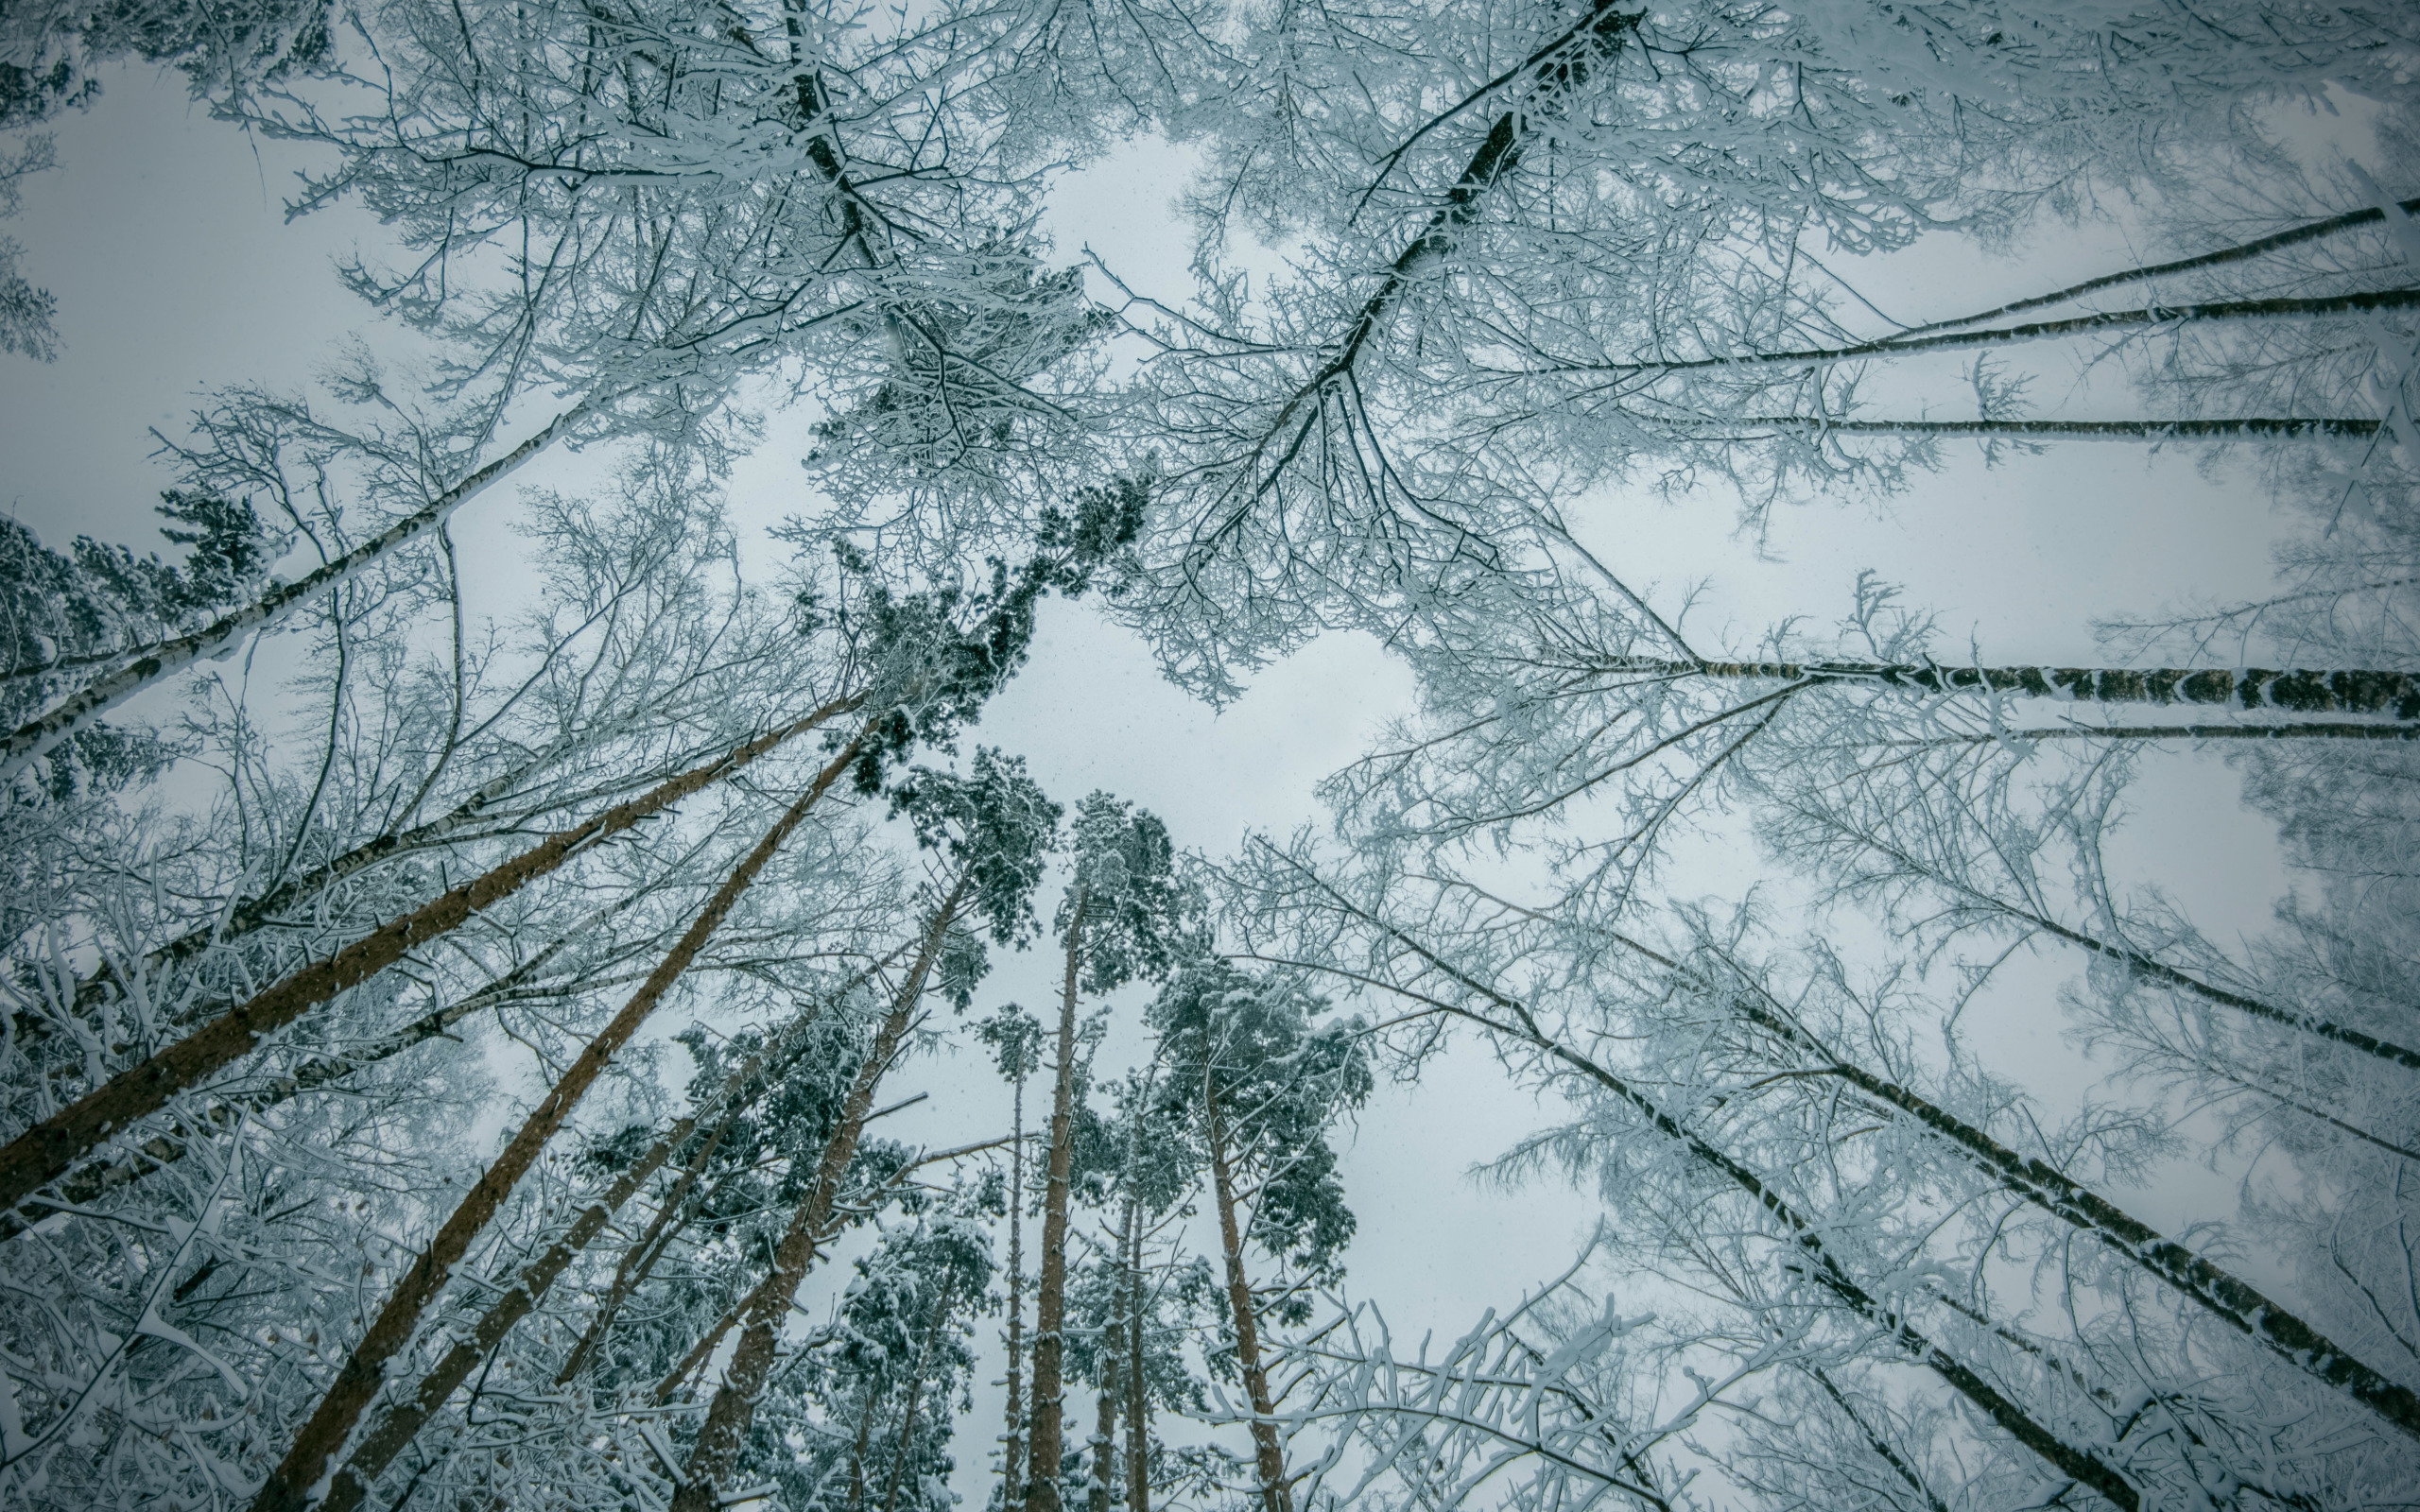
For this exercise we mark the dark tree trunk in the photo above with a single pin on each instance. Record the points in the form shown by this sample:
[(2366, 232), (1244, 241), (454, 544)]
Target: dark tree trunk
[(1047, 1447)]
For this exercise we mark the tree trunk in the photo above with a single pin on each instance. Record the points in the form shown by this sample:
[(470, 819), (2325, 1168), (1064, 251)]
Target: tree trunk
[(96, 1178), (1013, 1456), (43, 1152), (1105, 1430), (2242, 429), (915, 1390), (761, 1314), (2243, 251), (2074, 1463), (2115, 321), (1139, 1399), (2234, 1301), (2301, 691), (171, 657), (1269, 1455), (1050, 1300), (403, 1421), (358, 1382), (638, 1260)]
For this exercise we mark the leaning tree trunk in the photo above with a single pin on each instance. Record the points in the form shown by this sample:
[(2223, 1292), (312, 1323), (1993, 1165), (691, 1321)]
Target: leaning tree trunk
[(106, 692), (2234, 1301), (2069, 1460), (1048, 1445), (287, 1488), (715, 1454), (1268, 1454), (44, 1152)]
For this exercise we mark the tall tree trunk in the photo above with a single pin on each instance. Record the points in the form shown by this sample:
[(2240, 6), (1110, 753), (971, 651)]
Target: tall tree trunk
[(106, 692), (715, 1454), (2137, 963), (1105, 1429), (1268, 1454), (2249, 427), (1138, 1397), (1013, 1456), (2162, 316), (1051, 1300), (96, 1178), (915, 1391), (2304, 691), (2242, 251), (357, 1382), (44, 1152)]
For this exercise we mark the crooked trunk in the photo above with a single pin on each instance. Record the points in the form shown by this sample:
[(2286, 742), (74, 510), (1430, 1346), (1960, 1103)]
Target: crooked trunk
[(715, 1454), (1268, 1454), (1048, 1444), (357, 1382), (44, 1152)]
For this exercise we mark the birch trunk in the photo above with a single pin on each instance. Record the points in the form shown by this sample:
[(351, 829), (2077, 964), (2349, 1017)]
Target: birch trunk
[(716, 1453), (357, 1382), (31, 740), (2072, 1461), (44, 1152), (1048, 1445), (2305, 691)]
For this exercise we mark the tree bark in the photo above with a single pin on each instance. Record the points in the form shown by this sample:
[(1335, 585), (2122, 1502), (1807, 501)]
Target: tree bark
[(2104, 321), (2306, 691), (403, 1421), (1105, 1430), (1269, 1455), (1138, 1399), (103, 694), (44, 1152), (2234, 1301), (1013, 1456), (725, 1432), (1046, 1446), (2249, 427), (357, 1382)]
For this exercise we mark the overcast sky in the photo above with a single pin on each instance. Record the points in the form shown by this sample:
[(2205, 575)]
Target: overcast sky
[(163, 236)]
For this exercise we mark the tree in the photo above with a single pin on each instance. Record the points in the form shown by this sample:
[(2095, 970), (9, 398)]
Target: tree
[(1123, 916), (1259, 1085), (993, 828)]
